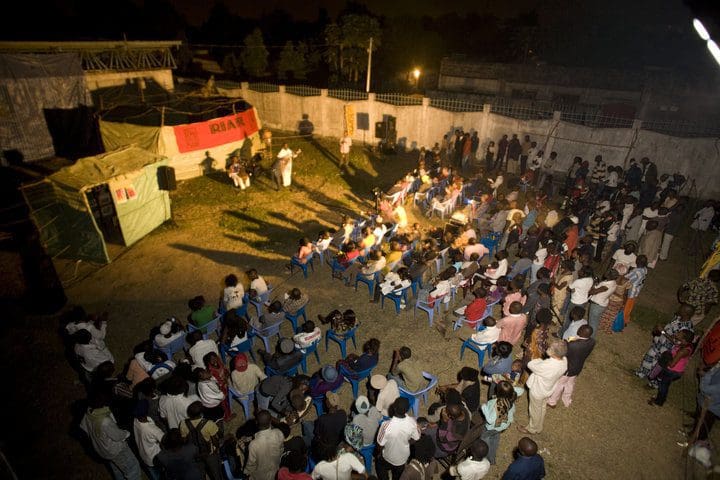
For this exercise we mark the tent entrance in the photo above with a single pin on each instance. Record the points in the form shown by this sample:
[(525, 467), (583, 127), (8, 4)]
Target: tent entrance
[(103, 210)]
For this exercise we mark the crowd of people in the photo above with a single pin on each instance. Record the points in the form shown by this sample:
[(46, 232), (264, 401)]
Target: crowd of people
[(534, 278)]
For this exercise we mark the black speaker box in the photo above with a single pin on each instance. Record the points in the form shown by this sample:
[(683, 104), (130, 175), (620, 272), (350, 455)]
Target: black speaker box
[(166, 178)]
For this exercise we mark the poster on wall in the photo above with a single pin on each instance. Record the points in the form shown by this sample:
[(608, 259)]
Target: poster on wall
[(350, 119), (215, 132)]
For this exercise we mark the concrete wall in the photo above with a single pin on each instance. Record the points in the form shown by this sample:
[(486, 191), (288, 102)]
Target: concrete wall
[(96, 80), (422, 125)]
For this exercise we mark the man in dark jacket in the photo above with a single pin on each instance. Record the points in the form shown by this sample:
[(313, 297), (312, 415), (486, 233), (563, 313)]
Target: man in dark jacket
[(577, 352)]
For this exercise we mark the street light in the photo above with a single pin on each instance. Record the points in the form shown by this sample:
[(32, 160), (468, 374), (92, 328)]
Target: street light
[(701, 30), (416, 74)]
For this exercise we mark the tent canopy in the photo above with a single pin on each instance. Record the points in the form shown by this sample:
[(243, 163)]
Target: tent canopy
[(91, 171), (62, 213)]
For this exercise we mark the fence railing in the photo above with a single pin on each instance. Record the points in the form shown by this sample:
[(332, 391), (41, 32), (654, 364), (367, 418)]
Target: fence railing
[(595, 120), (263, 87), (456, 105), (398, 99), (347, 94), (581, 115), (522, 112), (303, 90)]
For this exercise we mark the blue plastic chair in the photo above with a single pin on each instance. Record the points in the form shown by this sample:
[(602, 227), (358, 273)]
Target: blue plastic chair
[(341, 339), (266, 333), (173, 347), (260, 305), (367, 453), (396, 297), (243, 347), (318, 402), (337, 267), (430, 310), (291, 372), (417, 283), (293, 317), (309, 351), (228, 471), (370, 282), (355, 377), (294, 262), (479, 348), (246, 400), (414, 397), (207, 329)]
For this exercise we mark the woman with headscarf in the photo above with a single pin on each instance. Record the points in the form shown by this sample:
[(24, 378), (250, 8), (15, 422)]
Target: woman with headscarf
[(499, 413), (221, 374)]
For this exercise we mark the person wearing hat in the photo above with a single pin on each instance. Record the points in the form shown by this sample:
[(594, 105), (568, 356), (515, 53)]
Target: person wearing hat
[(147, 437), (368, 418), (245, 376), (388, 392), (325, 380), (284, 358), (394, 437), (170, 330), (329, 428)]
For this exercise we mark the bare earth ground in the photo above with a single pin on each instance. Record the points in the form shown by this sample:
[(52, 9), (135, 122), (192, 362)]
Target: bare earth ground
[(609, 431)]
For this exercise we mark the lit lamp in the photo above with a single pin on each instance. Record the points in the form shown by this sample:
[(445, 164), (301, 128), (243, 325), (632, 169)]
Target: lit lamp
[(416, 74)]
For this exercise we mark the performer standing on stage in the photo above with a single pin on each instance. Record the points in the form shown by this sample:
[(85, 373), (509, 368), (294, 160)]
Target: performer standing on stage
[(282, 168)]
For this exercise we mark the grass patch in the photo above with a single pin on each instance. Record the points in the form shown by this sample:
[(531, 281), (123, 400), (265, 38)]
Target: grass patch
[(647, 317)]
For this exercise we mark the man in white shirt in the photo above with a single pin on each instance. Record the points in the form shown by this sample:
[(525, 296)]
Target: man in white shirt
[(264, 452), (388, 392), (475, 466), (147, 436), (541, 383), (108, 440), (174, 404), (90, 353), (473, 246), (394, 438), (233, 293), (345, 144), (577, 320), (200, 347), (579, 294), (339, 467), (308, 335)]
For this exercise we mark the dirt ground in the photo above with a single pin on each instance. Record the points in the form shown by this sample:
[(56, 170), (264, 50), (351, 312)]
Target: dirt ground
[(608, 432)]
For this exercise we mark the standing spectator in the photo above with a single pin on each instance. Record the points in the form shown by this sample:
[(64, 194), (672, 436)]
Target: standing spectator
[(708, 397), (513, 154), (649, 171), (489, 156), (675, 220), (148, 438), (512, 326), (501, 152), (528, 464), (600, 297), (475, 466), (599, 171), (578, 350), (108, 440), (541, 383), (663, 340), (394, 437), (388, 392), (338, 463), (701, 293), (675, 366), (204, 434), (265, 450), (579, 294), (178, 458), (499, 413), (174, 403), (345, 144), (422, 465), (636, 278), (525, 150)]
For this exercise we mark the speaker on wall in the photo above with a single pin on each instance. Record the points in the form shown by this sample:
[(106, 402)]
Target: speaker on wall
[(166, 178), (380, 129), (363, 121)]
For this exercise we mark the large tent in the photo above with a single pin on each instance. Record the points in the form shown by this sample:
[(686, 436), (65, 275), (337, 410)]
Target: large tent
[(196, 134), (110, 198), (45, 107)]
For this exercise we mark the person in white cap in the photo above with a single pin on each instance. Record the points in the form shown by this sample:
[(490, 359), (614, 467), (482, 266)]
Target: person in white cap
[(388, 392), (170, 331), (368, 418)]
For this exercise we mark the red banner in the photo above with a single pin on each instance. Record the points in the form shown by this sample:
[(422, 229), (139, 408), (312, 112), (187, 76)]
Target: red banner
[(219, 131)]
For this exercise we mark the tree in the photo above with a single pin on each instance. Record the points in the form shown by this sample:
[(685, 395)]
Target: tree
[(293, 62), (348, 41), (254, 57)]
